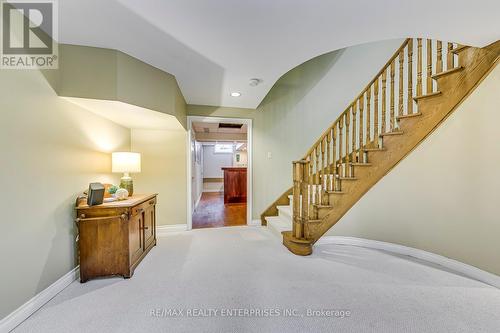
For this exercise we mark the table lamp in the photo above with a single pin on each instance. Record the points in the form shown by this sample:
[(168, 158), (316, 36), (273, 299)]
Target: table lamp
[(126, 163)]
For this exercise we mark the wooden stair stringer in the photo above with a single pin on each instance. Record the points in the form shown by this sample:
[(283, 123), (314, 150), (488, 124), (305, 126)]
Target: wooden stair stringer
[(272, 210), (454, 88)]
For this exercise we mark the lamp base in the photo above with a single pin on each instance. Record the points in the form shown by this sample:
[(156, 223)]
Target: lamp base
[(127, 183)]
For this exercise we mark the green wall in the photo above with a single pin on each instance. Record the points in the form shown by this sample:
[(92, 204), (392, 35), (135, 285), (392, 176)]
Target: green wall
[(51, 150)]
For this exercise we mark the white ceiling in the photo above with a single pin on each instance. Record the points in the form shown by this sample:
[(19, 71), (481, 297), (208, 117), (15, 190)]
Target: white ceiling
[(215, 47)]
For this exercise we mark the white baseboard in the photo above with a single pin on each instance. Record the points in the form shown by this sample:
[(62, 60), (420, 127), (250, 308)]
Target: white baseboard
[(457, 266), (164, 230), (256, 222), (27, 309)]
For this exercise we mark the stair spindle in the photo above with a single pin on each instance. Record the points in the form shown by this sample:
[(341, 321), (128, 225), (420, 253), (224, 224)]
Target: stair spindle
[(450, 58), (400, 103), (341, 145), (428, 86), (384, 101), (439, 63), (354, 136), (361, 129), (347, 139), (317, 180), (323, 167), (410, 76), (311, 186), (328, 160), (375, 112), (368, 115), (334, 154), (419, 66), (391, 93)]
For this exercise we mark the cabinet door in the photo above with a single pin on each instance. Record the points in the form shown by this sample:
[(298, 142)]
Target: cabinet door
[(149, 226), (136, 238)]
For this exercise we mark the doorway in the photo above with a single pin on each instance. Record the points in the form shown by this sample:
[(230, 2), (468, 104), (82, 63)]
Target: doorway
[(219, 172)]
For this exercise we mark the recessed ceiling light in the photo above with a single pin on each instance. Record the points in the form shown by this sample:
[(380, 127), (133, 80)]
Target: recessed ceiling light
[(235, 94)]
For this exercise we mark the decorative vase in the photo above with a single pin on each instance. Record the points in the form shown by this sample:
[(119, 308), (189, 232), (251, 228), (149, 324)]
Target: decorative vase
[(121, 194)]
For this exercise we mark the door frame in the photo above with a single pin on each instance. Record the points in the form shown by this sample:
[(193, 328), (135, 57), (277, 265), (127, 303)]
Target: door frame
[(246, 121)]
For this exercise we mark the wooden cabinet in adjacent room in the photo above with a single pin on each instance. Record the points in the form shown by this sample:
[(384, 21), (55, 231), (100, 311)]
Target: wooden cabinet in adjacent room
[(235, 185), (114, 237)]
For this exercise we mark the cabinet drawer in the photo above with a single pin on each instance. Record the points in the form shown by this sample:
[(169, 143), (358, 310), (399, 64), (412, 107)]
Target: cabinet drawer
[(139, 209)]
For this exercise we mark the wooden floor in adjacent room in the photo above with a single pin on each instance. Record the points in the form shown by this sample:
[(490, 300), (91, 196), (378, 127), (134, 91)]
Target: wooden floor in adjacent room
[(211, 212)]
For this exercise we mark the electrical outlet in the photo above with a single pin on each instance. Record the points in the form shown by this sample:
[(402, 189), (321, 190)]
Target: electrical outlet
[(269, 155)]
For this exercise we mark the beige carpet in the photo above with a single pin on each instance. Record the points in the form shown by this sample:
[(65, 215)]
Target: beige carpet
[(241, 279)]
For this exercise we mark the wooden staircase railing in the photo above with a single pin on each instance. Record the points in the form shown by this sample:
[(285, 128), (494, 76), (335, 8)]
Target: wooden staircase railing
[(320, 177)]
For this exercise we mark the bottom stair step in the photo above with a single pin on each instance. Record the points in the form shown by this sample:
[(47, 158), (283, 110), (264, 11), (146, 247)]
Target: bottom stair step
[(277, 225)]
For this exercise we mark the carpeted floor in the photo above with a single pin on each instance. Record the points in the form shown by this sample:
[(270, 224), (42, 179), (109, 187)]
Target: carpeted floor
[(243, 280)]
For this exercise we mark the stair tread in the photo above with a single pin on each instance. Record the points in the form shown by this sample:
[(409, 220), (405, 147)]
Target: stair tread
[(360, 164), (374, 149), (406, 116), (450, 71), (434, 94), (460, 48), (347, 178), (322, 206), (392, 133), (335, 192), (277, 225)]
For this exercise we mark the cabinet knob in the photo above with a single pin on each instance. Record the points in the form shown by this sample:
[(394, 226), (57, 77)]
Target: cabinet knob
[(145, 228), (151, 202)]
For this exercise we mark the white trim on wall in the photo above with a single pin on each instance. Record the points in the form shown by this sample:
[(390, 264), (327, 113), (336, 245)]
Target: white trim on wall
[(197, 202), (256, 222), (165, 230), (248, 122), (34, 304), (454, 265)]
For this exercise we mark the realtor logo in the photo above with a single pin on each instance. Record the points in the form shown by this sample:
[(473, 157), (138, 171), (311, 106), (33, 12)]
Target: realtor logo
[(28, 34)]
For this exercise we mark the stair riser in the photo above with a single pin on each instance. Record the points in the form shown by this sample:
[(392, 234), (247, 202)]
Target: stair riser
[(346, 185), (275, 230), (444, 82), (321, 212), (333, 199), (285, 216), (360, 172)]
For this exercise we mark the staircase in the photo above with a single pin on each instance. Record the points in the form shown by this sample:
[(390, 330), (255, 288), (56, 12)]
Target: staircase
[(420, 85)]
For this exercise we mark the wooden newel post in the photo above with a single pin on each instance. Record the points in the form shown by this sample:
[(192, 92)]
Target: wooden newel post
[(298, 173), (305, 196)]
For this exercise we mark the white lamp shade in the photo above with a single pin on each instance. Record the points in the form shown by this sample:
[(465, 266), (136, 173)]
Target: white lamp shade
[(126, 162)]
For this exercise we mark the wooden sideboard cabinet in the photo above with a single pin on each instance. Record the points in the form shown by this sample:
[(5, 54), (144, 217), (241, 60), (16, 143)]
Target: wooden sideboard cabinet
[(114, 237)]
